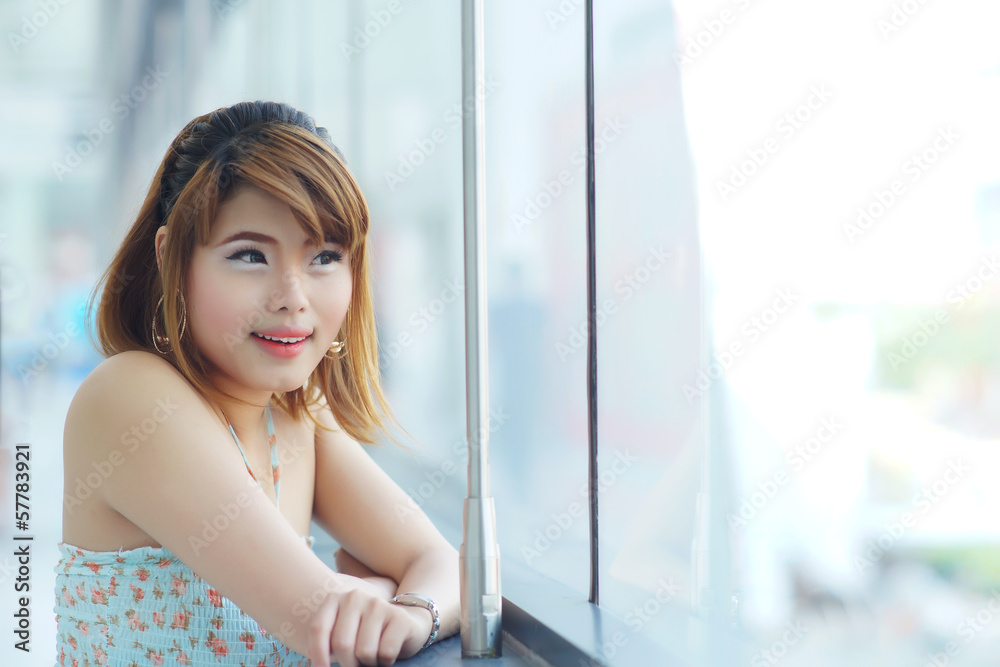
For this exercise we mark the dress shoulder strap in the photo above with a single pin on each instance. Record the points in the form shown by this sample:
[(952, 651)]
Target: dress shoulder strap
[(272, 442)]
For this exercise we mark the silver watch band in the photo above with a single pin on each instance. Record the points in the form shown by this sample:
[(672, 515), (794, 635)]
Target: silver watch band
[(415, 600)]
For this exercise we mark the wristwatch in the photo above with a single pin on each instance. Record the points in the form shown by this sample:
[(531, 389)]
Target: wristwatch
[(414, 600)]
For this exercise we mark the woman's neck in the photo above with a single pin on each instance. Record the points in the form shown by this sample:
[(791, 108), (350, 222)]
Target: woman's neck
[(243, 409)]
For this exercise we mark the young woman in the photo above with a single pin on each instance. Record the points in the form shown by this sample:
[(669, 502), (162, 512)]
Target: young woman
[(241, 374)]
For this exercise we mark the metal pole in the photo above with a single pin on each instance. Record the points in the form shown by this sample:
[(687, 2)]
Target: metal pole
[(480, 554), (592, 486)]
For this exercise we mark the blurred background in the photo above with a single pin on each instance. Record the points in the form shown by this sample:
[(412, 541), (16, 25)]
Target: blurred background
[(798, 215)]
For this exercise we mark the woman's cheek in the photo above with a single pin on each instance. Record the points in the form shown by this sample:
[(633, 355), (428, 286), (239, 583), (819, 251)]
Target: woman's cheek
[(331, 299), (339, 303), (220, 324)]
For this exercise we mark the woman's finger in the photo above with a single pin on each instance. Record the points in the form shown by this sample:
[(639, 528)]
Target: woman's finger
[(370, 632), (319, 631), (395, 632), (344, 637)]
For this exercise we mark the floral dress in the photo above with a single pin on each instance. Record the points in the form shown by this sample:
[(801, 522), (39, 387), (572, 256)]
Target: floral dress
[(144, 606), (138, 607)]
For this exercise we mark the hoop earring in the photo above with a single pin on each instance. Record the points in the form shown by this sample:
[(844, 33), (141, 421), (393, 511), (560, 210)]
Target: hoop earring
[(337, 347), (161, 339)]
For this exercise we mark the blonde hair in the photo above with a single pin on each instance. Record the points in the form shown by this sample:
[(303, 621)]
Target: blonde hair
[(280, 150)]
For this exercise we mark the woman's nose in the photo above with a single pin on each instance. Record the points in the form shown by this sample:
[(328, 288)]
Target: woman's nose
[(289, 294)]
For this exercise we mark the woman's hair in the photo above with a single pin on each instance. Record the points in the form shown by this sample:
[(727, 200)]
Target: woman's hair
[(280, 150)]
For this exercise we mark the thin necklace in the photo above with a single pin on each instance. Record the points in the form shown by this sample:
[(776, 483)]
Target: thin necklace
[(272, 442)]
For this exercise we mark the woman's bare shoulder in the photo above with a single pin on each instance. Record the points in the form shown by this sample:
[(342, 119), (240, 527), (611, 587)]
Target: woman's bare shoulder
[(125, 390), (128, 373), (126, 366)]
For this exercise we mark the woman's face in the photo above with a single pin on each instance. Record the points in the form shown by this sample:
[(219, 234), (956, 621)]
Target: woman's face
[(263, 302)]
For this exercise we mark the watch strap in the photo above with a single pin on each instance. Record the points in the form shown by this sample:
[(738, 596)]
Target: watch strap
[(416, 600)]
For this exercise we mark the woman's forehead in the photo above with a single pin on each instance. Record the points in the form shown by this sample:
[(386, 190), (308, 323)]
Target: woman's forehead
[(251, 212)]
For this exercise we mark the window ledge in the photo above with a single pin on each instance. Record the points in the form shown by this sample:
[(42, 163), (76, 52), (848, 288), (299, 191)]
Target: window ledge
[(564, 629), (547, 624)]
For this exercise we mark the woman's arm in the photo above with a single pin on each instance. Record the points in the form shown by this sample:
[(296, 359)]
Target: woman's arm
[(348, 564), (380, 526), (185, 475)]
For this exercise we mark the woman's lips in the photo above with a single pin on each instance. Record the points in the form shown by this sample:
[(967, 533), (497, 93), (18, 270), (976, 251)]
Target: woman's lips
[(278, 348)]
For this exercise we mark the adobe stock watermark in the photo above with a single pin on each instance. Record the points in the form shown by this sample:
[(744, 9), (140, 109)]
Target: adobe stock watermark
[(224, 8), (636, 619), (912, 343), (562, 522), (916, 340), (711, 30), (752, 329), (7, 570), (900, 15), (562, 12), (212, 529), (33, 24), (12, 284), (923, 502), (118, 282), (793, 634), (193, 202), (550, 190), (227, 515), (435, 479), (364, 35), (130, 441), (787, 127), (120, 110), (425, 147), (54, 346), (627, 286), (795, 459), (419, 321), (304, 608), (988, 269), (968, 629), (913, 169)]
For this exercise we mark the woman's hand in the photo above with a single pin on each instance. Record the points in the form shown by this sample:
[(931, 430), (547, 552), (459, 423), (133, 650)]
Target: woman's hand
[(358, 627)]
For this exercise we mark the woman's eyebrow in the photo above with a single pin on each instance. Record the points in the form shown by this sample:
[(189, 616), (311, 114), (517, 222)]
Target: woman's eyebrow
[(264, 238), (248, 236)]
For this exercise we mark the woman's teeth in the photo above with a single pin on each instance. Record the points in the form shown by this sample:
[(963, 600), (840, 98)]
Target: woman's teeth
[(280, 340)]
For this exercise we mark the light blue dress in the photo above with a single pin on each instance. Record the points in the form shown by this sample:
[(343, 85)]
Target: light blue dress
[(139, 607)]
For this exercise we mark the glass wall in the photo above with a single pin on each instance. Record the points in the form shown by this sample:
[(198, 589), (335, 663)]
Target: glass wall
[(847, 205)]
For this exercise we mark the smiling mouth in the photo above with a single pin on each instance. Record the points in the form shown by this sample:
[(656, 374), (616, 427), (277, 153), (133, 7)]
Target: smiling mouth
[(283, 341)]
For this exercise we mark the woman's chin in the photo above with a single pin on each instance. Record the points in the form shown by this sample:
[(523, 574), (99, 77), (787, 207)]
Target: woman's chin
[(285, 389), (285, 385), (254, 378)]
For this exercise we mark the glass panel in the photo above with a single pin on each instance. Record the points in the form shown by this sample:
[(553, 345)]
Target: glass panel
[(846, 170), (535, 253), (651, 341)]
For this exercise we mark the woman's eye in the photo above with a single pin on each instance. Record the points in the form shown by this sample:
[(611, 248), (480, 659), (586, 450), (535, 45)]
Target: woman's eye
[(328, 257), (249, 255)]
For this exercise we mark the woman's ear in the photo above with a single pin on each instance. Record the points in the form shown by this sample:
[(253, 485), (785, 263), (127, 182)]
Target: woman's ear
[(161, 236)]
